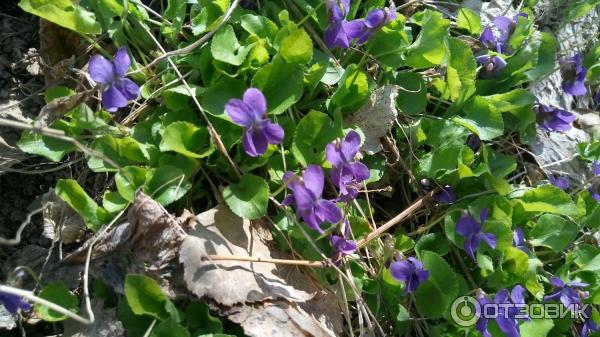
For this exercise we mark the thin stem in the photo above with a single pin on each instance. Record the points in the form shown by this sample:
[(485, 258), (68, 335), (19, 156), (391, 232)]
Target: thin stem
[(395, 220), (305, 263)]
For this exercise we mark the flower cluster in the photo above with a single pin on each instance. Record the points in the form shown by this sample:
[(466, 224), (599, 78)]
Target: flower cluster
[(495, 37), (341, 33), (507, 315), (251, 113), (472, 231), (347, 174), (117, 90), (307, 196)]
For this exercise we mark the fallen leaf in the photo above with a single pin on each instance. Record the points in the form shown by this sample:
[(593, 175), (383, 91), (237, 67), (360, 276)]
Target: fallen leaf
[(376, 117), (105, 325), (61, 222), (7, 321), (258, 296)]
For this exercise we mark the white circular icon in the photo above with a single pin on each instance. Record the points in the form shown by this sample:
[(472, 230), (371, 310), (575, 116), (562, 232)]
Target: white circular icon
[(465, 311)]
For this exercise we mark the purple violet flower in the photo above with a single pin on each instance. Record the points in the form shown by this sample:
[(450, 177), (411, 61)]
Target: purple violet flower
[(307, 197), (473, 233), (573, 74), (341, 247), (445, 195), (411, 272), (495, 37), (519, 240), (595, 186), (347, 174), (117, 90), (558, 181), (363, 29), (491, 66), (507, 315), (568, 293), (335, 32), (473, 142), (554, 119), (13, 303), (588, 325), (251, 114)]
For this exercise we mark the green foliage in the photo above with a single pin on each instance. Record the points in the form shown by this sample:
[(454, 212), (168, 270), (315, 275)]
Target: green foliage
[(554, 232), (64, 13), (435, 296), (249, 198), (313, 132), (59, 294), (429, 49), (144, 297), (74, 195)]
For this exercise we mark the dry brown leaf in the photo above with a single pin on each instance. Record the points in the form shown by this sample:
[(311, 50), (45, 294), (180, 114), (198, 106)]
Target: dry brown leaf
[(376, 117), (61, 219), (58, 107), (258, 296), (105, 325)]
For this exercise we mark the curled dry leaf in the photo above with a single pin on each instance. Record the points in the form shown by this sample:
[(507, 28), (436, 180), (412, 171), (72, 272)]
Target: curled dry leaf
[(376, 117), (258, 296), (61, 222), (146, 243)]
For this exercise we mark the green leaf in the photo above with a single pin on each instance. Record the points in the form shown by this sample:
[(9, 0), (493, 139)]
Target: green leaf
[(48, 147), (389, 43), (123, 151), (217, 95), (548, 199), (64, 13), (187, 139), (129, 179), (175, 12), (198, 317), (297, 47), (93, 215), (352, 92), (281, 83), (554, 232), (434, 297), (167, 185), (429, 49), (59, 294), (313, 133), (113, 202), (412, 97), (226, 48), (145, 297), (209, 16), (170, 328), (580, 8), (461, 71), (515, 261), (249, 198), (469, 20), (536, 327), (259, 26), (482, 119)]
